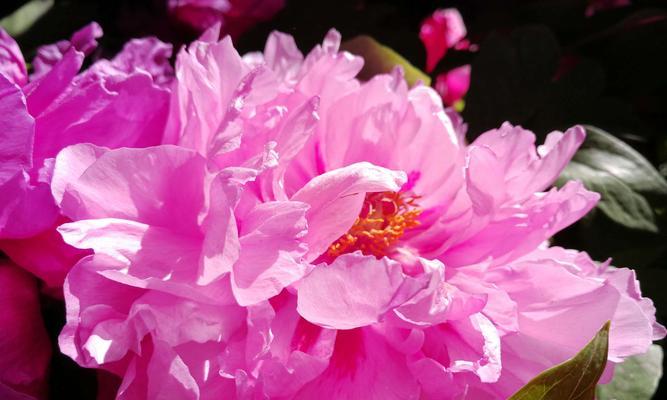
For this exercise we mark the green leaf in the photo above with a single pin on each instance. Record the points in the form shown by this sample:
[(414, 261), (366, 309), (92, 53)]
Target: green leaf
[(23, 18), (575, 379), (380, 59), (633, 192), (636, 378)]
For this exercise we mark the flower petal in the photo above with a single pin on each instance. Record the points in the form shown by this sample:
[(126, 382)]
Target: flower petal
[(158, 186), (271, 251), (12, 64), (354, 291)]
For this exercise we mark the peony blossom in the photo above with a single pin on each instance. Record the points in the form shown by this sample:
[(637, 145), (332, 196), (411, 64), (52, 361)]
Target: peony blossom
[(302, 234), (58, 106), (234, 16), (25, 347)]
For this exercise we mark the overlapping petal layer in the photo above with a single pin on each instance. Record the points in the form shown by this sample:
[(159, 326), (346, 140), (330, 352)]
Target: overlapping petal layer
[(114, 103)]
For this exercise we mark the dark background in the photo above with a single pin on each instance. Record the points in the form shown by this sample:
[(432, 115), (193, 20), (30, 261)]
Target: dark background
[(541, 64)]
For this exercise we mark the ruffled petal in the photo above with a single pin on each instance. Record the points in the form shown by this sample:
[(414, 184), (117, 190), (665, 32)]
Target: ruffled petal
[(16, 131), (516, 230), (12, 64), (363, 366), (354, 291), (271, 251), (26, 207), (83, 41), (527, 169), (440, 301), (146, 54), (158, 186)]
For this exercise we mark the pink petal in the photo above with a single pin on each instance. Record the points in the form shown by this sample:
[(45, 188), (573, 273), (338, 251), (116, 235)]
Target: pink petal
[(271, 251), (296, 351), (208, 75), (453, 84), (515, 231), (107, 320), (148, 54), (526, 169), (27, 209), (440, 301), (557, 290), (42, 92), (110, 111), (354, 291), (83, 41), (145, 256), (220, 247), (451, 351), (16, 131), (283, 56), (363, 366), (134, 184), (71, 163), (12, 65)]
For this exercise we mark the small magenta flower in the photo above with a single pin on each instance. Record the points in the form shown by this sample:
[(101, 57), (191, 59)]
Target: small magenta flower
[(441, 31)]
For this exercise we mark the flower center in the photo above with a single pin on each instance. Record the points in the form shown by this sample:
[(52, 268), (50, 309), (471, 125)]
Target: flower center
[(383, 220)]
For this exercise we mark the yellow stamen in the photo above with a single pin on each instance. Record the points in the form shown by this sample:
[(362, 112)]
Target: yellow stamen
[(383, 220)]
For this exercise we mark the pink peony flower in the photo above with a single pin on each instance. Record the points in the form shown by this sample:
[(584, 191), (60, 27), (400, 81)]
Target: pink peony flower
[(235, 16), (57, 106), (304, 234), (444, 29), (25, 347)]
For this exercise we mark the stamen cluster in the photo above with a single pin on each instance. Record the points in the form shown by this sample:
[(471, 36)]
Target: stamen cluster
[(383, 220)]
